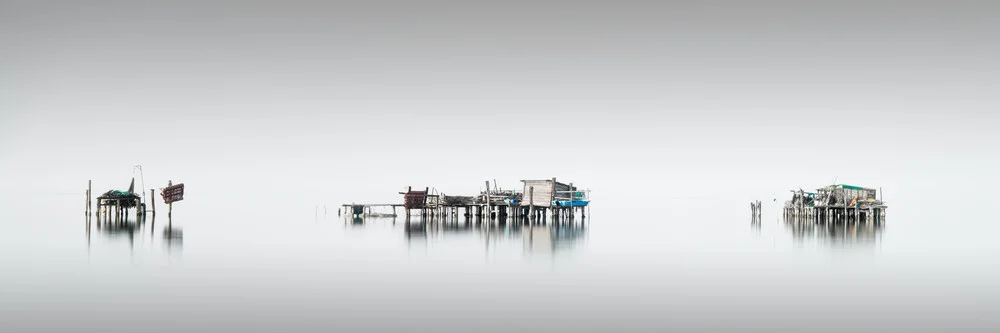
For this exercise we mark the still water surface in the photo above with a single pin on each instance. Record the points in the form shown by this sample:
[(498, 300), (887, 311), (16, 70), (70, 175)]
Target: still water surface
[(282, 268)]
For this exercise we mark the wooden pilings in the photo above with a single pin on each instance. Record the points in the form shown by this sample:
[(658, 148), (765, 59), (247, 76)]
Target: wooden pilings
[(835, 214), (755, 214)]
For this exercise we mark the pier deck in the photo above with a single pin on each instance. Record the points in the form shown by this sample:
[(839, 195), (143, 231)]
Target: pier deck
[(539, 200)]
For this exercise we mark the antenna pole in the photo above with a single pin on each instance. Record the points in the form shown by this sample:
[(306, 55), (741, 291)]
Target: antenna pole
[(142, 179)]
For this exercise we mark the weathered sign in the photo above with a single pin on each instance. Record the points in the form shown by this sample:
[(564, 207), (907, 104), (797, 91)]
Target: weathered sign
[(173, 193)]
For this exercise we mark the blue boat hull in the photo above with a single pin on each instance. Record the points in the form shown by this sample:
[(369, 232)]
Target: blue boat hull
[(577, 203)]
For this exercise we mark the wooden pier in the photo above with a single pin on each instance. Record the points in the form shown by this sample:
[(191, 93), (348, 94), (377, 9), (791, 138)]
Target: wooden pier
[(114, 210), (836, 204), (538, 202), (118, 204)]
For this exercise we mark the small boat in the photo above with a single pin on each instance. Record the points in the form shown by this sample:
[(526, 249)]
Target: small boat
[(574, 203)]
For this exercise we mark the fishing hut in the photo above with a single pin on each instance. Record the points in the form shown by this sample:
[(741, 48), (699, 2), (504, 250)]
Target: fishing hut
[(118, 203), (836, 203), (420, 200), (543, 196)]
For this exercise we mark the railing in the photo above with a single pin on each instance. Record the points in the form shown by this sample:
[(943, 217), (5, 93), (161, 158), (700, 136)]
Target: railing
[(577, 195)]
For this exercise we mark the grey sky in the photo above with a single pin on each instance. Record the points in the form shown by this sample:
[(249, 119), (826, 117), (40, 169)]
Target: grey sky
[(352, 101)]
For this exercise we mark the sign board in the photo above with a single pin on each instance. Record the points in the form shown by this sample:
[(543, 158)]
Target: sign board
[(173, 193)]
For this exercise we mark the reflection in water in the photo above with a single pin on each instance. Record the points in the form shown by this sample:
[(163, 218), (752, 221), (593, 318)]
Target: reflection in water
[(357, 220), (173, 237), (112, 230), (836, 234), (131, 229), (546, 238), (550, 239)]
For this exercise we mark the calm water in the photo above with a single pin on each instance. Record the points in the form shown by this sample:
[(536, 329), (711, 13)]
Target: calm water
[(693, 265)]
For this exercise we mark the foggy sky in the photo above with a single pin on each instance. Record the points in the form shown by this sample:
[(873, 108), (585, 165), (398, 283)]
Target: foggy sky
[(355, 101)]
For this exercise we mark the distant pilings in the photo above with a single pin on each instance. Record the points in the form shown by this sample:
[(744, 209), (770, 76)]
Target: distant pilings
[(755, 214)]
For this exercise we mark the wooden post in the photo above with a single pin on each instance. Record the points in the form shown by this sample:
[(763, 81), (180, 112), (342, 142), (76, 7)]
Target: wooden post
[(551, 197), (90, 196), (572, 196), (170, 206), (489, 208), (531, 202), (152, 200)]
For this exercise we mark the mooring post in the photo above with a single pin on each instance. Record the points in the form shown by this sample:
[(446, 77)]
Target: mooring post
[(170, 206), (552, 197), (489, 207), (531, 203), (90, 196), (572, 197), (152, 200)]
